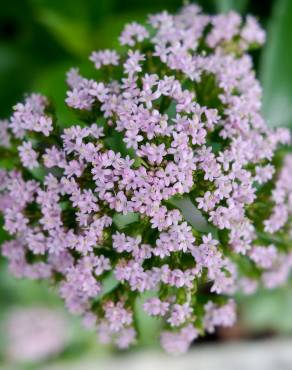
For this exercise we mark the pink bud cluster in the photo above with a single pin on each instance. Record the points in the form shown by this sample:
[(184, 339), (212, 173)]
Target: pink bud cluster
[(178, 119)]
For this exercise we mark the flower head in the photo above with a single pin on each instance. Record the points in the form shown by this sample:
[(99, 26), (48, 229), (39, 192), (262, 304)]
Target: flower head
[(164, 188)]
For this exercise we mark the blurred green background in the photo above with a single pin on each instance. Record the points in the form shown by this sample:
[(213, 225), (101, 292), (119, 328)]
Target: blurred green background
[(41, 39)]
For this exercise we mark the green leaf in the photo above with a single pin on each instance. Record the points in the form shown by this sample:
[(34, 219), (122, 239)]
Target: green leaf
[(148, 327), (191, 213), (224, 6), (268, 309), (121, 221), (78, 26), (39, 173), (72, 34), (276, 67), (109, 283), (106, 34), (52, 83)]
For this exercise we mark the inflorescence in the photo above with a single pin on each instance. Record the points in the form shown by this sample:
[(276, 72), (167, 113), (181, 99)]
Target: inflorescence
[(170, 188)]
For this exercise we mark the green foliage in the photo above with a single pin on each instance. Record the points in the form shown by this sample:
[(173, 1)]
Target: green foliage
[(276, 68), (191, 213), (226, 5), (268, 310)]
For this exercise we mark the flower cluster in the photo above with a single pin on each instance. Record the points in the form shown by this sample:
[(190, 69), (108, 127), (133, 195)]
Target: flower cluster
[(172, 186)]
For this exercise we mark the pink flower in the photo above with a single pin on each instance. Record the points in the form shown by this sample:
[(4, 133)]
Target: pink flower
[(104, 58), (133, 33), (156, 307), (28, 155)]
